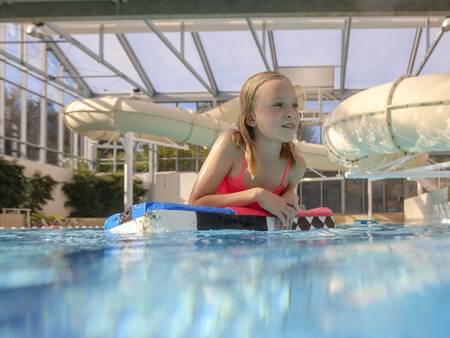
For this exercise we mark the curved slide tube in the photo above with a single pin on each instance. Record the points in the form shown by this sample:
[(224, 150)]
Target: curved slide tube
[(408, 116), (107, 118)]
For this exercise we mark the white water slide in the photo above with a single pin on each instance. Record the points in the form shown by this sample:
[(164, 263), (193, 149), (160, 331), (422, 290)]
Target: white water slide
[(107, 118), (388, 127), (392, 127)]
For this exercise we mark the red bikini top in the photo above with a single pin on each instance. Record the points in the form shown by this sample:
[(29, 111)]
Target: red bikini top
[(232, 184)]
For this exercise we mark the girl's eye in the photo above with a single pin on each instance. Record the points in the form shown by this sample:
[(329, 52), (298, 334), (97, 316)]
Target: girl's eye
[(278, 104)]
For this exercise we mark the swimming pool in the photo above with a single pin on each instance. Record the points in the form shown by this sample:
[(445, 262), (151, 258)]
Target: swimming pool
[(354, 281)]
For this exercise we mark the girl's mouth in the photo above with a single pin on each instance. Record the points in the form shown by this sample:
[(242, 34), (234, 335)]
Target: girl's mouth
[(289, 125)]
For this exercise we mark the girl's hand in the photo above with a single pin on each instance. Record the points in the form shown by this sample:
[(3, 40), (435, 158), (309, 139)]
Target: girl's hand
[(277, 206), (291, 198)]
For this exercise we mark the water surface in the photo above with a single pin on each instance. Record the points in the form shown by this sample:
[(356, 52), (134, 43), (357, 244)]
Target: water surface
[(354, 281)]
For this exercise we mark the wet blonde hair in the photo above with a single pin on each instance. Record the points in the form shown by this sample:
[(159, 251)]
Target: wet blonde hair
[(244, 137)]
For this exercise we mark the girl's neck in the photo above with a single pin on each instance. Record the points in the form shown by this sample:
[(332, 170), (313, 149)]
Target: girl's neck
[(267, 150)]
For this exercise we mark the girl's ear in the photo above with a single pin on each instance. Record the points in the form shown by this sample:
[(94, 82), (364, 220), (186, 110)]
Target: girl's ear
[(250, 120)]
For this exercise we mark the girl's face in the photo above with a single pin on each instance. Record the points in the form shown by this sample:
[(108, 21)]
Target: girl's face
[(276, 113)]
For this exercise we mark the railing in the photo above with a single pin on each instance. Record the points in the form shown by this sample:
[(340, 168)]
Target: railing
[(434, 183), (18, 152), (18, 211), (316, 94)]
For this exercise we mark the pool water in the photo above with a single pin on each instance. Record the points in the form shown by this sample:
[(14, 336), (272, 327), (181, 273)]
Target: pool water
[(354, 281)]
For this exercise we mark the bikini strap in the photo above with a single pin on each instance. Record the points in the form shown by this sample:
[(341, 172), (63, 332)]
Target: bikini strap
[(286, 173)]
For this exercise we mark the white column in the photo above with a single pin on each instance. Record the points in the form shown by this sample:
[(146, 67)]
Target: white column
[(369, 199), (74, 150), (115, 156), (43, 123), (151, 172), (90, 152), (127, 142), (93, 153), (196, 159), (2, 95), (419, 188)]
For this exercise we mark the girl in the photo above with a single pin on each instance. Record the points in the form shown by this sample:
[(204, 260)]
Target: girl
[(257, 165)]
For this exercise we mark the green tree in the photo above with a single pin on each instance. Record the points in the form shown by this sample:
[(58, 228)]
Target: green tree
[(98, 195), (19, 191), (13, 185), (39, 191)]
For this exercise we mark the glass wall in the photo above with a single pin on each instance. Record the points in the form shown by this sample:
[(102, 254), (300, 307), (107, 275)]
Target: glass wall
[(33, 125), (331, 191), (12, 119), (53, 111), (171, 159)]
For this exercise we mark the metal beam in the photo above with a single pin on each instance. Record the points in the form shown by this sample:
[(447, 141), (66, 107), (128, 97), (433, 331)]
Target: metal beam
[(205, 62), (258, 44), (221, 96), (71, 69), (273, 50), (344, 52), (430, 51), (415, 47), (2, 99), (93, 55), (183, 97), (136, 63), (47, 78), (172, 48), (45, 10)]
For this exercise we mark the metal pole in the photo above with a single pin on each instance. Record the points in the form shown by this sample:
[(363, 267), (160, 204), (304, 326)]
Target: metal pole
[(369, 199), (430, 51), (44, 108), (2, 97), (128, 170), (344, 52), (23, 103), (60, 142)]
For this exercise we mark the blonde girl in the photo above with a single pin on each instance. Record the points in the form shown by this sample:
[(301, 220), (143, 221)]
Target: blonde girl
[(256, 166)]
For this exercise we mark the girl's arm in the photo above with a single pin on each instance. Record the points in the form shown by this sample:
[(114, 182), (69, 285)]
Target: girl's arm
[(297, 173), (214, 169)]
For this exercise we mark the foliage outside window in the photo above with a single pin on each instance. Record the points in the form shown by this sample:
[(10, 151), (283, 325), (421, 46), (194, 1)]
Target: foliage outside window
[(98, 195), (19, 191)]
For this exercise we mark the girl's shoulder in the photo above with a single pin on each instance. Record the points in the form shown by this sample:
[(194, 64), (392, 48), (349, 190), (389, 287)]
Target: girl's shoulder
[(226, 142)]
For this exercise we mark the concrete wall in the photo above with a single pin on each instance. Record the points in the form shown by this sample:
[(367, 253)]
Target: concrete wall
[(431, 206), (174, 187), (60, 175)]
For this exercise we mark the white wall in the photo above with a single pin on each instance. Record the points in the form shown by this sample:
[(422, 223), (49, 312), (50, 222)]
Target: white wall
[(431, 206), (174, 187)]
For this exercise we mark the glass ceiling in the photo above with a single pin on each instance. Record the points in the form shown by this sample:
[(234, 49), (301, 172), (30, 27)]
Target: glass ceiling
[(213, 56)]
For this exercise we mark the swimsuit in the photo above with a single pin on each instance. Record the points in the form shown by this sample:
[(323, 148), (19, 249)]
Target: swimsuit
[(231, 184)]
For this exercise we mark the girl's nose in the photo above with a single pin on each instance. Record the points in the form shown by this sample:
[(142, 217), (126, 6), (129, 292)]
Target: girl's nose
[(291, 112)]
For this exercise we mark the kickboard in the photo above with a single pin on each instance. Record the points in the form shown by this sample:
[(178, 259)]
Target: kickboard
[(161, 216)]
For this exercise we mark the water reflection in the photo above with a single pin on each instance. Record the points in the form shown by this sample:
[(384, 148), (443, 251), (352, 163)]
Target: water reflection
[(353, 281)]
